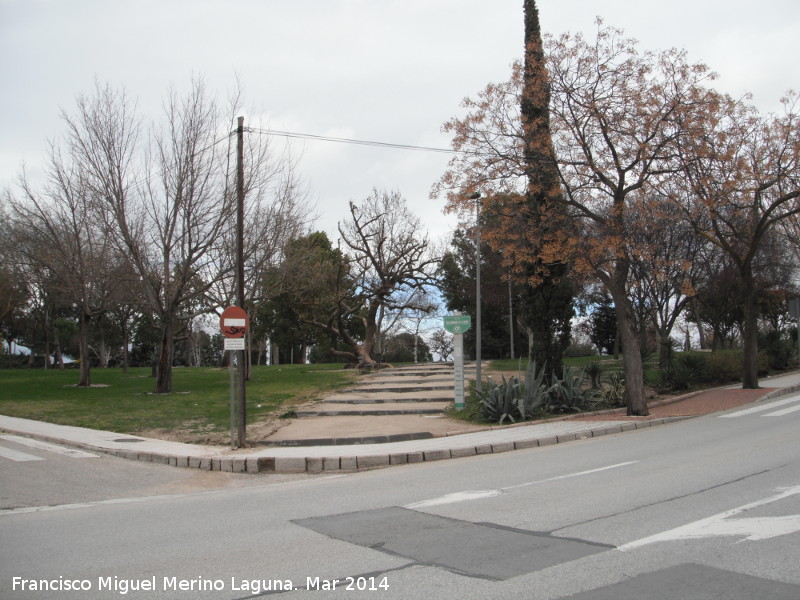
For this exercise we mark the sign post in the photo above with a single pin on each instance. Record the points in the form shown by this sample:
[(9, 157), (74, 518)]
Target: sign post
[(234, 323), (457, 325)]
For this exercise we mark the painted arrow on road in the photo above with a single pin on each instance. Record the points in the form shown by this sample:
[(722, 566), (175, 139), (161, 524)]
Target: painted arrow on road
[(753, 528)]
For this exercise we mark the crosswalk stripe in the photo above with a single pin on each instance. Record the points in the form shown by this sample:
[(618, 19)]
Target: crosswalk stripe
[(17, 456), (39, 445), (785, 411), (760, 408)]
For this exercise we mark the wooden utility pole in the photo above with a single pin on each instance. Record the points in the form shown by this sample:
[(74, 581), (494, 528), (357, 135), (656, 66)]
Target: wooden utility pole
[(242, 354)]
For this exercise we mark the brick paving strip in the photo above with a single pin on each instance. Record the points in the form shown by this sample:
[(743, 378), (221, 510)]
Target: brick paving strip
[(690, 405)]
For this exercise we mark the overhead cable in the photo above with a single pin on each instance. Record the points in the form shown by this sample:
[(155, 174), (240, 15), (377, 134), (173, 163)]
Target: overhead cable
[(339, 140)]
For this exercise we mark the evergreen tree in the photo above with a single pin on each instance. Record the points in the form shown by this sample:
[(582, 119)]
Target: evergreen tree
[(547, 302)]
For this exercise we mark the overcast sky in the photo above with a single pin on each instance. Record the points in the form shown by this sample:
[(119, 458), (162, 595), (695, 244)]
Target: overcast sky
[(386, 70)]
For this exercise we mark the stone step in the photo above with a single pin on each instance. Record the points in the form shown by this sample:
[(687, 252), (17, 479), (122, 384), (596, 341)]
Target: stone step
[(317, 431), (419, 373), (397, 399), (411, 408), (403, 380), (384, 396), (397, 389)]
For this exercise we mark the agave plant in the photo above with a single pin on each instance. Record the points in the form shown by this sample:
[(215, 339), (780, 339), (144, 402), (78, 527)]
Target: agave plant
[(613, 391), (568, 393), (500, 401), (535, 391)]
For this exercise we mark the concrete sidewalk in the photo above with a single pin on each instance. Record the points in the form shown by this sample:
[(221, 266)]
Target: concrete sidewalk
[(316, 459), (350, 457)]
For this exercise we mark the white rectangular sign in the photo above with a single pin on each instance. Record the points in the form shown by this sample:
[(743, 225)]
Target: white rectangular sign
[(458, 370), (234, 343)]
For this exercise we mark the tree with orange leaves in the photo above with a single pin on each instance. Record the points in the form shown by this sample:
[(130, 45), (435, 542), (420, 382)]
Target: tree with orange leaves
[(616, 114), (743, 180)]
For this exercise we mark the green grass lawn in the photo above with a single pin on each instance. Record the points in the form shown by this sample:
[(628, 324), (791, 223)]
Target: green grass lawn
[(517, 364), (122, 402)]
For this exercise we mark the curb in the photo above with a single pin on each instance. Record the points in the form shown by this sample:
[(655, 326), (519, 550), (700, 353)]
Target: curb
[(315, 465), (351, 463)]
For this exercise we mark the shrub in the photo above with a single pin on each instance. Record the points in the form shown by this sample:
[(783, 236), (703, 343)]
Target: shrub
[(535, 391), (567, 393), (579, 350), (777, 347), (594, 371), (500, 401), (514, 399), (612, 392), (680, 372)]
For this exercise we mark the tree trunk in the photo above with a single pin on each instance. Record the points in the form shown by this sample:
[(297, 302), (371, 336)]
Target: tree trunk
[(47, 362), (85, 379), (57, 349), (750, 358), (631, 356), (274, 355), (125, 343), (165, 357)]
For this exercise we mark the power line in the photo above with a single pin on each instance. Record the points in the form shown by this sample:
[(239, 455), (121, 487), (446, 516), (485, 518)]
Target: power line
[(339, 140)]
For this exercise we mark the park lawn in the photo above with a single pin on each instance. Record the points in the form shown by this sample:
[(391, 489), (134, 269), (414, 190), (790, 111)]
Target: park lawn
[(123, 402), (520, 364)]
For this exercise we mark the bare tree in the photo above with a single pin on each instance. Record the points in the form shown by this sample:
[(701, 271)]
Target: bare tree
[(169, 224), (58, 231), (13, 286), (441, 343), (344, 291), (389, 258)]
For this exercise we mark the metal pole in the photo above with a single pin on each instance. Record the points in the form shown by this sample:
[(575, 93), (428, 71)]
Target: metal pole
[(241, 372), (233, 411)]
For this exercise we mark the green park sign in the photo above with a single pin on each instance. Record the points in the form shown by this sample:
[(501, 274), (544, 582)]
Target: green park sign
[(458, 324)]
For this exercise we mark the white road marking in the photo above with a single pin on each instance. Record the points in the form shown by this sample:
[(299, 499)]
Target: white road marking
[(760, 408), (16, 455), (754, 528), (135, 499), (35, 509), (456, 497), (571, 475), (480, 494), (785, 411), (39, 445)]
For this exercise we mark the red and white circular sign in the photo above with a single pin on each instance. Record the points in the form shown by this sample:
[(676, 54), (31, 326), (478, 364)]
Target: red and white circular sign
[(233, 322)]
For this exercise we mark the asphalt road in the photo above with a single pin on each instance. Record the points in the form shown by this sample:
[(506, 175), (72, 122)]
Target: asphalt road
[(705, 508)]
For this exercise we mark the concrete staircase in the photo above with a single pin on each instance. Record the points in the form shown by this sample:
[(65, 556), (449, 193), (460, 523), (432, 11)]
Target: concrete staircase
[(405, 390), (406, 402)]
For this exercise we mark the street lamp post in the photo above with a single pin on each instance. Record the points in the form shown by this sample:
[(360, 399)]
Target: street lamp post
[(478, 382)]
